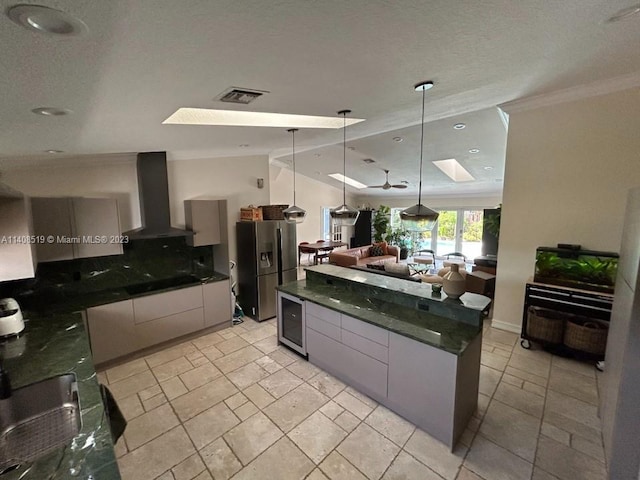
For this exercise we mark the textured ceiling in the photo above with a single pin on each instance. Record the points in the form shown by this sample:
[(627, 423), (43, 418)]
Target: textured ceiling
[(142, 59)]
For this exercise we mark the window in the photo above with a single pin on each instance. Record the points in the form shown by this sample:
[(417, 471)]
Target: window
[(457, 230), (329, 230)]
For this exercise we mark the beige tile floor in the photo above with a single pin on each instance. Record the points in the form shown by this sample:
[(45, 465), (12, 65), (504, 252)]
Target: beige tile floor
[(233, 404)]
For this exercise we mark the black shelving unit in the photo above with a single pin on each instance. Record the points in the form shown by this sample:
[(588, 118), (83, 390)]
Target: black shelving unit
[(362, 232), (596, 305)]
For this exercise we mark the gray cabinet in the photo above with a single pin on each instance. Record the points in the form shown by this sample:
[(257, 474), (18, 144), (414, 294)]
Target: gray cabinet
[(78, 227), (432, 388), (218, 309), (17, 252), (121, 328), (52, 218), (349, 348), (112, 330), (203, 218)]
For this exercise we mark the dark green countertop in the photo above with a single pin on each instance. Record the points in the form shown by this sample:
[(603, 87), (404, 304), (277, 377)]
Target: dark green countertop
[(55, 342), (71, 301), (51, 346), (435, 330)]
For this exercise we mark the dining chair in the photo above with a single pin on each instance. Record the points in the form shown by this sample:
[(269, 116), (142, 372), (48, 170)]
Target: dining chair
[(425, 256), (322, 254), (459, 258), (303, 250)]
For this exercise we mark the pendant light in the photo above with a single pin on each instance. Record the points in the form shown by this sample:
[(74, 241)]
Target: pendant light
[(420, 218), (294, 214), (344, 215)]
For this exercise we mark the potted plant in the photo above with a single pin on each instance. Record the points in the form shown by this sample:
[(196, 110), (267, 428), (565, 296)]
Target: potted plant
[(380, 222), (401, 238)]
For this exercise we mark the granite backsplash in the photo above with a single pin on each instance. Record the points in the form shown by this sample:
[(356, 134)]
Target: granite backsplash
[(143, 261)]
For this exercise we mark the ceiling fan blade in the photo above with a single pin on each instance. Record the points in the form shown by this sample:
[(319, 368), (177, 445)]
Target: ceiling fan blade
[(399, 186), (375, 186)]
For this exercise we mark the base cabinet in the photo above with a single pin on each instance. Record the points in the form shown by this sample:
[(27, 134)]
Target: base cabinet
[(112, 330), (217, 303), (432, 388), (118, 329)]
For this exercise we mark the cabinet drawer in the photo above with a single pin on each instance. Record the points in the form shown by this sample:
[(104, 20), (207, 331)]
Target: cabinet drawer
[(322, 326), (366, 346), (168, 328), (328, 353), (323, 313), (161, 305), (366, 330), (365, 371)]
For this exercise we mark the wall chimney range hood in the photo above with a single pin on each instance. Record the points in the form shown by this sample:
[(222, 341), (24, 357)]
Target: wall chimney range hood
[(153, 191)]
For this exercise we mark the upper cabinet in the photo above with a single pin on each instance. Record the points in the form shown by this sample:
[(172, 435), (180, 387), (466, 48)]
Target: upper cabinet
[(17, 259), (205, 217), (76, 227)]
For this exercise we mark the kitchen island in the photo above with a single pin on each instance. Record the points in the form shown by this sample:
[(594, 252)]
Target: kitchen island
[(415, 352)]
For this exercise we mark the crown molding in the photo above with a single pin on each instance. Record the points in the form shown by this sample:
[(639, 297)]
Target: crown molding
[(570, 94)]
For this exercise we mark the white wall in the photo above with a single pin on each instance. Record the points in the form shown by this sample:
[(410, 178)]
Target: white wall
[(231, 178), (568, 169), (311, 195), (108, 177)]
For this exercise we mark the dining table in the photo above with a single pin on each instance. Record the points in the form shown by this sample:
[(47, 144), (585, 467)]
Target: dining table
[(321, 249)]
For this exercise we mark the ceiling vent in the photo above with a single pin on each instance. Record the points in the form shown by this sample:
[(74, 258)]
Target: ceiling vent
[(369, 160), (243, 96)]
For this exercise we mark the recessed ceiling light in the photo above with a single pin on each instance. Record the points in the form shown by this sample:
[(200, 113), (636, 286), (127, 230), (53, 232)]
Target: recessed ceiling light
[(54, 151), (234, 118), (51, 111), (347, 180), (474, 150), (243, 145), (368, 160), (317, 155), (454, 170), (46, 20), (488, 168), (351, 148), (624, 14), (398, 139), (459, 126)]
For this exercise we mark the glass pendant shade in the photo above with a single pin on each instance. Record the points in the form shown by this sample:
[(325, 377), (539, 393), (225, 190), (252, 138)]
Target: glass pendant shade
[(344, 215), (418, 218), (294, 214)]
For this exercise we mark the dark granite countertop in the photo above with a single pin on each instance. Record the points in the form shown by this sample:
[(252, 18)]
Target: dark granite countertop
[(435, 330), (55, 342), (61, 302), (51, 346)]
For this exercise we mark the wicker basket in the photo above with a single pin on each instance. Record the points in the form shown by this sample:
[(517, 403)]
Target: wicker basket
[(546, 325), (586, 335), (273, 212)]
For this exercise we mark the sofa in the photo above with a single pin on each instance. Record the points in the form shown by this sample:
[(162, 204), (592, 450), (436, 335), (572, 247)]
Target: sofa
[(387, 273), (362, 255)]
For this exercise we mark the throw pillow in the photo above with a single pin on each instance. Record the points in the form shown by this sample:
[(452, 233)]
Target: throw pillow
[(385, 247), (399, 268), (376, 251), (376, 266)]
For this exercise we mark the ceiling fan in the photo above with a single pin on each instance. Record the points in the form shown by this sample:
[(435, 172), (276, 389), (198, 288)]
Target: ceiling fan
[(387, 185)]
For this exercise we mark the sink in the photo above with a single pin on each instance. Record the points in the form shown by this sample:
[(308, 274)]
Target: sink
[(37, 419)]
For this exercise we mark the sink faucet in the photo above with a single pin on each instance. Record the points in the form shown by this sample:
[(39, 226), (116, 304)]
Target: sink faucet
[(5, 384)]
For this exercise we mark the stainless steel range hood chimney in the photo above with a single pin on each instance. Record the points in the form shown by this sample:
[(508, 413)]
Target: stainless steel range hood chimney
[(153, 190)]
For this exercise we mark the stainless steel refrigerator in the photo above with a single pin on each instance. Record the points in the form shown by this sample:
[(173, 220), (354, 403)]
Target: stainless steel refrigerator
[(267, 257)]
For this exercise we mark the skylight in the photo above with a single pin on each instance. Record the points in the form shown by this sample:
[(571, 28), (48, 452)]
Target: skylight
[(206, 116), (454, 170), (347, 180)]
